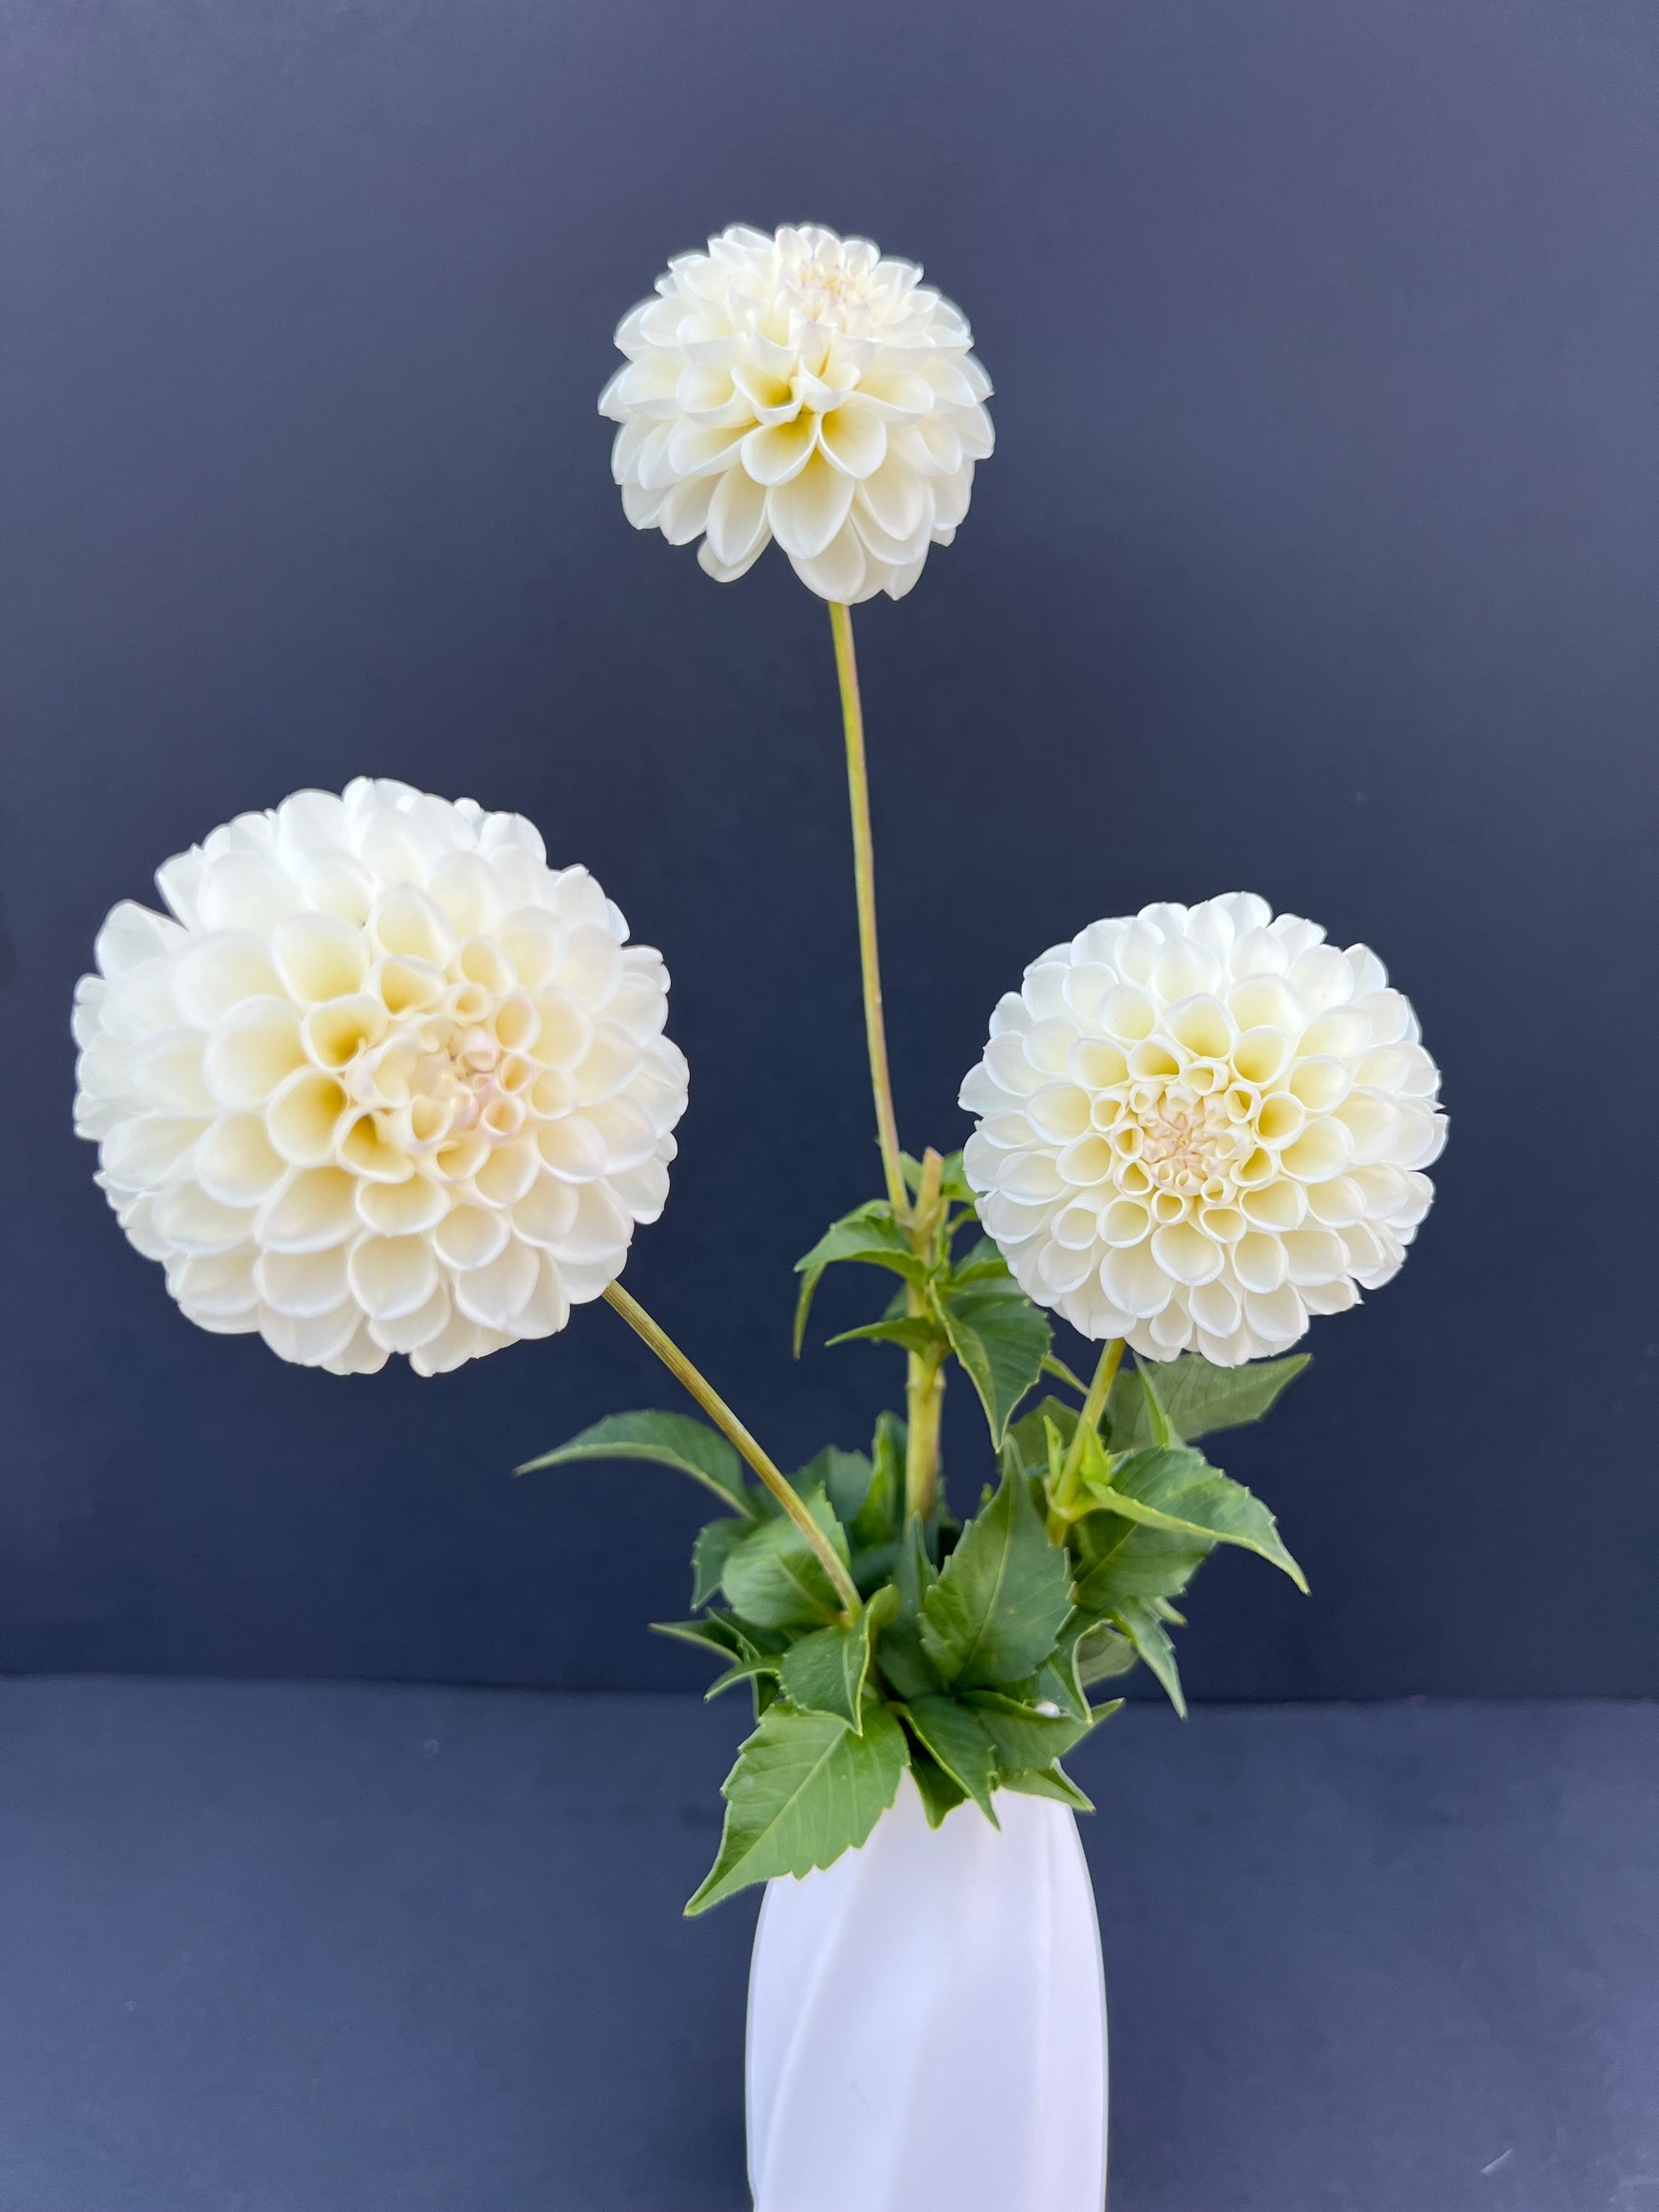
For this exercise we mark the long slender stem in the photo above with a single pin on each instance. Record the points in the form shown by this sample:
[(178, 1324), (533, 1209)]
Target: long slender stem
[(924, 1387), (1095, 1404), (724, 1418), (863, 877)]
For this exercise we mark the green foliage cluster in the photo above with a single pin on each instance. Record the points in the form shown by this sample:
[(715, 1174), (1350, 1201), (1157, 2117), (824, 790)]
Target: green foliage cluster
[(972, 1656)]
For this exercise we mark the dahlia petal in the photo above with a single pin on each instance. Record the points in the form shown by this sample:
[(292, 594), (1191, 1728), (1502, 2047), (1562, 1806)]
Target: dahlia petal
[(311, 1339), (774, 454), (854, 440), (807, 509), (302, 1284), (838, 572), (497, 1292)]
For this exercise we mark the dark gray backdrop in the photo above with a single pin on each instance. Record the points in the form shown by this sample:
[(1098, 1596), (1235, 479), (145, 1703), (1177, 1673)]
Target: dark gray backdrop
[(1318, 556)]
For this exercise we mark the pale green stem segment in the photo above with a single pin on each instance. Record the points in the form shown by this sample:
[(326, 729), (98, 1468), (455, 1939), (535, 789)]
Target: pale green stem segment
[(924, 1388), (725, 1420), (864, 878), (1094, 1406)]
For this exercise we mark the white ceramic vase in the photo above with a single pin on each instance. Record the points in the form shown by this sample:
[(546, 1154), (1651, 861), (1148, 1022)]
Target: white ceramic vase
[(928, 2022)]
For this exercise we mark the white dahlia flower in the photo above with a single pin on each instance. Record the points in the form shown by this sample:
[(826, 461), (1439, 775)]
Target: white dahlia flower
[(798, 387), (386, 1082), (1199, 1126)]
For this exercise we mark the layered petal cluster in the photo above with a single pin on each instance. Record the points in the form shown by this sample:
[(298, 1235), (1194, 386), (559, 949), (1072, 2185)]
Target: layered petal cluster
[(800, 388), (1198, 1126), (381, 1082)]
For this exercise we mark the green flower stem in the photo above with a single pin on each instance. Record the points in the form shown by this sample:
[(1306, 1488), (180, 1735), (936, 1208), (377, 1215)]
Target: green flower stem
[(1094, 1406), (725, 1420), (864, 878), (925, 1374)]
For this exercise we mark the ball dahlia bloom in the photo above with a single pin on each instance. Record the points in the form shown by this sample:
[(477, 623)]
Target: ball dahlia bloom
[(384, 1081), (798, 387), (1198, 1126)]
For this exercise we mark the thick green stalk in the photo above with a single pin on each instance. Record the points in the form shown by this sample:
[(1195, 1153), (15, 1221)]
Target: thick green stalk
[(724, 1420), (863, 881)]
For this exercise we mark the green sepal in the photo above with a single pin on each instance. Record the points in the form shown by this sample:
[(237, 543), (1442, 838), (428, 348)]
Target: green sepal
[(1049, 1782), (869, 1236), (956, 1741), (715, 1545), (773, 1576), (673, 1440), (805, 1789), (1002, 1598), (1197, 1398)]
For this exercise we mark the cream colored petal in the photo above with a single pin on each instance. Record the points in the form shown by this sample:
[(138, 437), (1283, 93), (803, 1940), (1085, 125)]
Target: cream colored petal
[(302, 1284), (408, 1332), (166, 1071), (809, 507), (236, 1161), (188, 1220), (470, 1237), (775, 453), (149, 1150), (572, 1149), (313, 1340), (314, 1209), (393, 1276), (495, 1293), (251, 1050), (839, 572)]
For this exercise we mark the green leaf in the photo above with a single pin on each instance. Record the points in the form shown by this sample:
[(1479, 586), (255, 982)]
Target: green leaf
[(709, 1554), (941, 1793), (981, 1263), (1003, 1597), (1118, 1558), (913, 1332), (1197, 1397), (714, 1633), (1087, 1651), (1138, 1618), (844, 1477), (774, 1575), (765, 1664), (1021, 1735), (1179, 1490), (899, 1650), (668, 1439), (954, 1737), (804, 1789), (825, 1673), (1158, 1421), (877, 1521), (1058, 1367), (1049, 1782), (1002, 1339), (1103, 1654), (869, 1236)]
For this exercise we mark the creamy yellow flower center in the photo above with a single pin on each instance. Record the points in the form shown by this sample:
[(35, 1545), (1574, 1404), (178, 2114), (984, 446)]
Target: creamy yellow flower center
[(1188, 1144)]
